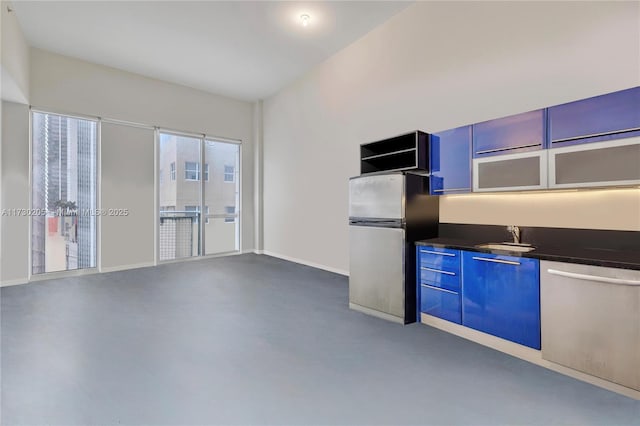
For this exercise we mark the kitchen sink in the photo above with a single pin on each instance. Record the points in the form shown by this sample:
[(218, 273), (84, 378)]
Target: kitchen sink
[(523, 248)]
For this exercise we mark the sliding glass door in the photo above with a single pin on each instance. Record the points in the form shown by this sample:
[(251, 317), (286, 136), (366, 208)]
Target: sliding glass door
[(64, 193), (198, 196), (222, 197), (180, 195)]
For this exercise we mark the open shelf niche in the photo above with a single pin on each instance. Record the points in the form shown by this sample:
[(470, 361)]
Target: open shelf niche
[(404, 152)]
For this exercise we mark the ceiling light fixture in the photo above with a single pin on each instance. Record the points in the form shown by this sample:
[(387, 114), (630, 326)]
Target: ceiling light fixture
[(305, 19)]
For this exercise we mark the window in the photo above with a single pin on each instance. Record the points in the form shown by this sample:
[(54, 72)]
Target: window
[(230, 210), (229, 173), (200, 224), (178, 234), (64, 188), (192, 211), (191, 170)]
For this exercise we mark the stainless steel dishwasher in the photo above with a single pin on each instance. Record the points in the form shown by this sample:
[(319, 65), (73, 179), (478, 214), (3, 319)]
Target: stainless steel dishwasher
[(591, 320)]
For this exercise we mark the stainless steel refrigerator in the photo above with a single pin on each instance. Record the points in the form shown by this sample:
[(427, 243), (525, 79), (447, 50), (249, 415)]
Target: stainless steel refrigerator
[(387, 214)]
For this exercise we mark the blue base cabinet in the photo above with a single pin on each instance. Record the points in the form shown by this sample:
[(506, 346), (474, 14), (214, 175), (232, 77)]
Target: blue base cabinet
[(501, 296), (438, 271)]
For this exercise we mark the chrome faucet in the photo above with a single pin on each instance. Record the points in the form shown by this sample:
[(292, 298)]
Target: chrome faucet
[(515, 233)]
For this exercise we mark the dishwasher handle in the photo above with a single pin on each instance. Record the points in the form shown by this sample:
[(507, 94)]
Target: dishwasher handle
[(619, 281)]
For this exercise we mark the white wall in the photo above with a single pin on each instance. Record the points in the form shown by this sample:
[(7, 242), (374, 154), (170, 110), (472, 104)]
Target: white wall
[(14, 57), (14, 87), (434, 66), (14, 193), (128, 176)]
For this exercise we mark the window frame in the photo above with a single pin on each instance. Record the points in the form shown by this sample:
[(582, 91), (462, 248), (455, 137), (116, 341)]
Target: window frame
[(187, 170), (232, 173), (228, 212)]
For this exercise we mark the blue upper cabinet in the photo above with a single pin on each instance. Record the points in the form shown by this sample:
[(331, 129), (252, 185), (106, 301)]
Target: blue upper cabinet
[(514, 134), (611, 116), (450, 158)]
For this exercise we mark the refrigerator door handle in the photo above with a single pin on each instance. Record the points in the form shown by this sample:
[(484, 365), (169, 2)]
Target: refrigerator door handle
[(391, 223)]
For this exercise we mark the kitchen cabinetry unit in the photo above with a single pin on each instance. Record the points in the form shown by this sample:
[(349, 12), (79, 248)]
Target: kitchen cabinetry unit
[(591, 320), (405, 152), (592, 143), (513, 172), (450, 161), (606, 117), (501, 296), (517, 133), (595, 164), (438, 272)]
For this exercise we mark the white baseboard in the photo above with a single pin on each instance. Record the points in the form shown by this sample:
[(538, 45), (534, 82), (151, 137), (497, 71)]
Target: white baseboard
[(125, 267), (8, 283), (74, 273), (531, 355), (305, 262)]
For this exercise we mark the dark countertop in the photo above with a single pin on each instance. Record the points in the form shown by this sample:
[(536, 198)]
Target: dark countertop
[(597, 257)]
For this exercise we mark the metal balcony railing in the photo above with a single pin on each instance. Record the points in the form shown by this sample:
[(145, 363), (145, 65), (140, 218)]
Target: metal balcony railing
[(179, 235)]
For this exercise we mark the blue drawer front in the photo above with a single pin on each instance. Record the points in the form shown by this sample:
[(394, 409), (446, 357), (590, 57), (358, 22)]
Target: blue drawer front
[(501, 296), (440, 278), (439, 258), (440, 303)]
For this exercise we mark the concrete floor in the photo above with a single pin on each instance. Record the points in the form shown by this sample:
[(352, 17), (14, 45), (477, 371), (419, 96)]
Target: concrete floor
[(255, 340)]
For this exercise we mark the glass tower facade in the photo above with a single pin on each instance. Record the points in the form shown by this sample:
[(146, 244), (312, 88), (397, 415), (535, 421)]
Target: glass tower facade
[(64, 195)]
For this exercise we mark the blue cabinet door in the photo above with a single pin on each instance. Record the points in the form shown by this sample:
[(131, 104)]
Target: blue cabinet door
[(450, 157), (611, 116), (517, 133), (501, 296)]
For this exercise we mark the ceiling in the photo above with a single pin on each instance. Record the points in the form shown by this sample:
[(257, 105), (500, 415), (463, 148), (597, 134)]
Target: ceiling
[(241, 49)]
